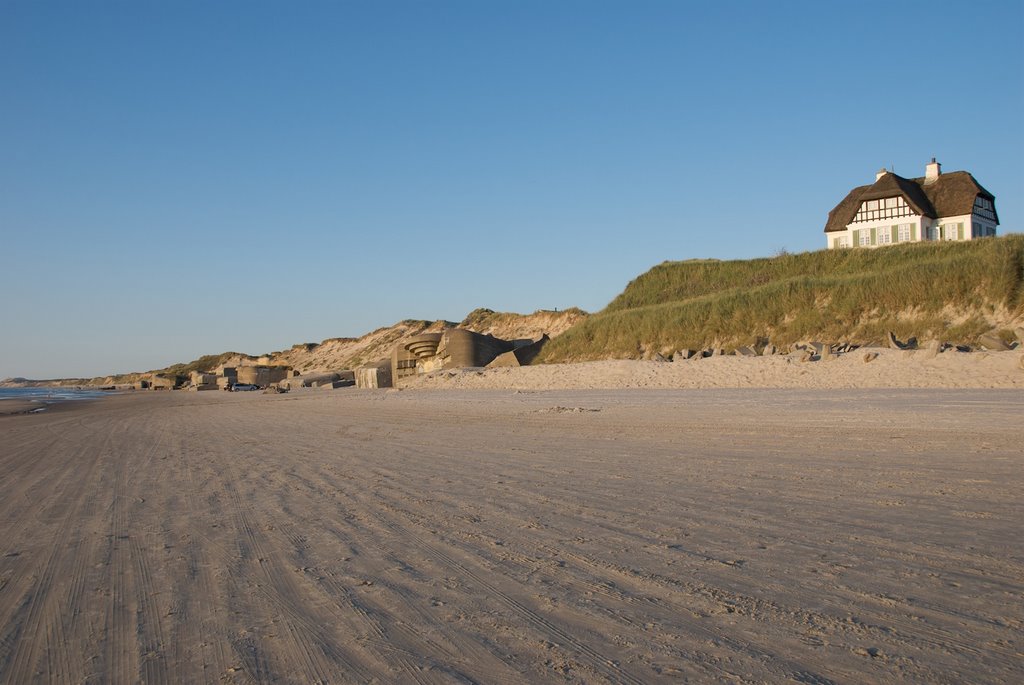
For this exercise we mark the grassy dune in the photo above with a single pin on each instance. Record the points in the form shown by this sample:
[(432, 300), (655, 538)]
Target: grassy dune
[(953, 291)]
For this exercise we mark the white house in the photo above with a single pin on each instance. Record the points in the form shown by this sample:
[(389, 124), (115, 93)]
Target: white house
[(893, 209)]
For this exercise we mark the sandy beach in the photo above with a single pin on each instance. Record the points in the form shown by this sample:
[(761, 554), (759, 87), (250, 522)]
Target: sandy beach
[(10, 406), (602, 536), (887, 368)]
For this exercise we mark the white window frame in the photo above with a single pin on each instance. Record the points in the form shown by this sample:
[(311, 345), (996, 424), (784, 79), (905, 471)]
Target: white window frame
[(903, 233)]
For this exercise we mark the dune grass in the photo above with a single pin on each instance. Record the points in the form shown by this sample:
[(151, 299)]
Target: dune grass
[(953, 291), (483, 318), (205, 364)]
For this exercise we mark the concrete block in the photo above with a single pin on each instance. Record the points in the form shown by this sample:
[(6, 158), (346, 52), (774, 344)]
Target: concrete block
[(375, 375), (334, 385), (991, 341)]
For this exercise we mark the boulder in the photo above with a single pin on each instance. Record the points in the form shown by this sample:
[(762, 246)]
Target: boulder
[(682, 355), (932, 349), (870, 357), (769, 350), (746, 352)]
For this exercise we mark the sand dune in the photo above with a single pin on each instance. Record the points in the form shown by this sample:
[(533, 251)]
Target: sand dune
[(511, 537)]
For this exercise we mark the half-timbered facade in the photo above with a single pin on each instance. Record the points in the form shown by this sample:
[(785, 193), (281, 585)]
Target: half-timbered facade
[(893, 209)]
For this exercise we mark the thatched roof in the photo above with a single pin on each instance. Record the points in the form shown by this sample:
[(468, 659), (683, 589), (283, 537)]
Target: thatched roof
[(951, 194)]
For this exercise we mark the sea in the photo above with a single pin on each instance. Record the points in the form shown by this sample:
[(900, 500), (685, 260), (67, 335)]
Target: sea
[(47, 395)]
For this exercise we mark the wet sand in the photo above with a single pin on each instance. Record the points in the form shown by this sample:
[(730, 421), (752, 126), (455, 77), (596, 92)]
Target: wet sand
[(602, 536), (11, 406)]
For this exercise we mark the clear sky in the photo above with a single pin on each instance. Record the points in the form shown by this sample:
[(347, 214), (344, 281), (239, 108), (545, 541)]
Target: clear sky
[(186, 178)]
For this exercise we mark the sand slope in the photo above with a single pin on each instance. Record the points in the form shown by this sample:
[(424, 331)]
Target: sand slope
[(504, 537)]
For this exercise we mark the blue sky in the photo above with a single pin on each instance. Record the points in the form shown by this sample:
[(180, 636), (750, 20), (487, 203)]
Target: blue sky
[(178, 178)]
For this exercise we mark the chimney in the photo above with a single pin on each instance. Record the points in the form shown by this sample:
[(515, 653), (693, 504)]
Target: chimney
[(932, 170), (880, 173)]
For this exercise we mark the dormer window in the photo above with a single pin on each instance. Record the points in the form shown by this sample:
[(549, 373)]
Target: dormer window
[(983, 207), (885, 208)]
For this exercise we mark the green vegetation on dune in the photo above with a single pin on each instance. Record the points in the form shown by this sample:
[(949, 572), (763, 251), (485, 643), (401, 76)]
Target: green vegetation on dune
[(482, 318), (204, 364), (948, 290)]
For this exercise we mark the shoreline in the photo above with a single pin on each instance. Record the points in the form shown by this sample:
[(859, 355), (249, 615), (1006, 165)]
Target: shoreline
[(14, 406), (18, 406)]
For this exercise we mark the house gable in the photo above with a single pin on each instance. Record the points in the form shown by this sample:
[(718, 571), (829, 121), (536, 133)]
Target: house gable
[(954, 194), (950, 194)]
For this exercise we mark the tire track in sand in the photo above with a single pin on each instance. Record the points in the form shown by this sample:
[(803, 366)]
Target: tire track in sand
[(40, 610), (314, 650)]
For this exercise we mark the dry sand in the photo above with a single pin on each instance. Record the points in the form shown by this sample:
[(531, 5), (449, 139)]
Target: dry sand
[(513, 537), (887, 369)]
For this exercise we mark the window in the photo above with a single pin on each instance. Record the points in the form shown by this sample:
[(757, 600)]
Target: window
[(933, 233), (887, 208), (844, 241), (984, 208), (883, 235), (865, 238), (904, 233), (949, 231)]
